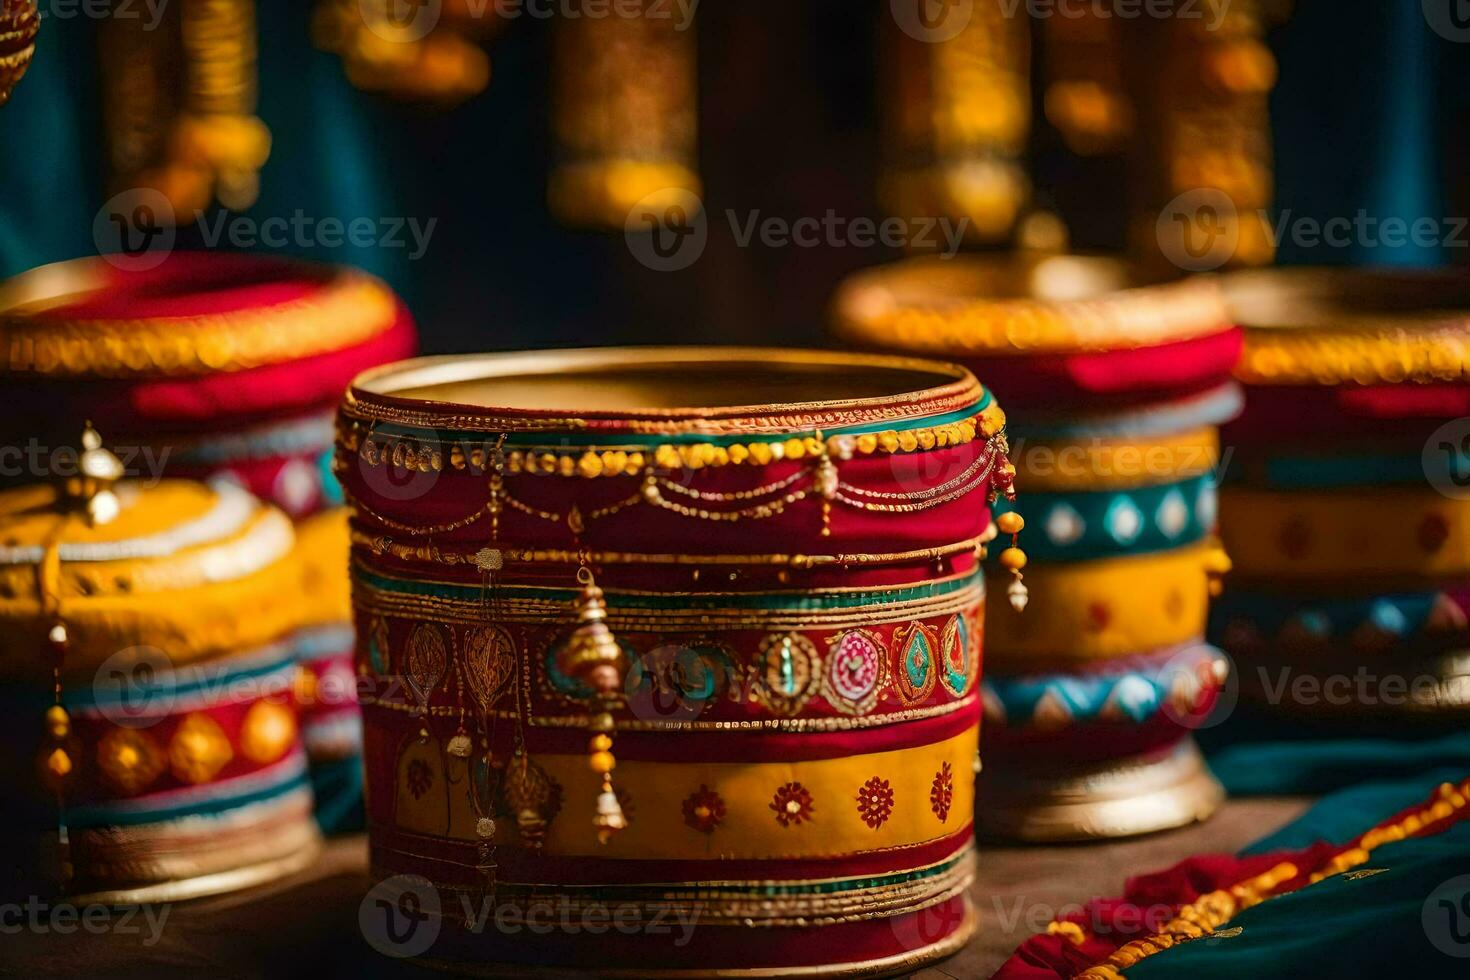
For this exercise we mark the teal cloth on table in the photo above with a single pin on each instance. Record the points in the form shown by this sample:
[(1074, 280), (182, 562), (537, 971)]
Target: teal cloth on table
[(1273, 765), (1404, 913)]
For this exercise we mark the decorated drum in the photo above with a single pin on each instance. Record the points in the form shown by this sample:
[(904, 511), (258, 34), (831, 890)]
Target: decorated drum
[(148, 676), (674, 637), (1115, 390), (1348, 510), (217, 366)]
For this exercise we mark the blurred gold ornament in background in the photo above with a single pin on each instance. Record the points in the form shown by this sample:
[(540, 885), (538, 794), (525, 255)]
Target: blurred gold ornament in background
[(1203, 149), (19, 22), (956, 119), (416, 52), (1084, 95), (179, 100), (625, 107)]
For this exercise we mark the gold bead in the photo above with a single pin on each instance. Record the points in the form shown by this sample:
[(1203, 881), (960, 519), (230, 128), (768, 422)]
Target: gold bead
[(590, 465), (59, 763), (1010, 523), (58, 722), (1013, 559), (600, 742), (602, 762)]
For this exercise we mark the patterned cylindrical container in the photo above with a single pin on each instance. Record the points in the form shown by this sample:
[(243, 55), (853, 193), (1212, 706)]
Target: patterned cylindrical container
[(147, 685), (1348, 507), (1115, 390), (684, 639), (220, 367)]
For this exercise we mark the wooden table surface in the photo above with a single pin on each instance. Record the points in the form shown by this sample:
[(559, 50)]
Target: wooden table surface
[(307, 926)]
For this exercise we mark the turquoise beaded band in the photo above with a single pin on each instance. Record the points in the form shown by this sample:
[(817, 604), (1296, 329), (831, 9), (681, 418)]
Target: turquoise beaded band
[(1116, 523)]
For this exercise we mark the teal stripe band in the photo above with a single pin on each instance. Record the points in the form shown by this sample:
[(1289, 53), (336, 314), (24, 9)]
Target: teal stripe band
[(102, 815), (608, 440), (1081, 526), (143, 691), (1364, 471), (796, 602)]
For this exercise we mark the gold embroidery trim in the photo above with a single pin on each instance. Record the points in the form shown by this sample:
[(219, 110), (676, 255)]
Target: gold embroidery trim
[(385, 545), (712, 902), (1388, 356), (372, 400), (1202, 917), (832, 724), (968, 307), (425, 455), (348, 310)]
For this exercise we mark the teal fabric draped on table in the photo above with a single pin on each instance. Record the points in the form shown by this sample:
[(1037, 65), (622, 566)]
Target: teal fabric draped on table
[(1405, 913)]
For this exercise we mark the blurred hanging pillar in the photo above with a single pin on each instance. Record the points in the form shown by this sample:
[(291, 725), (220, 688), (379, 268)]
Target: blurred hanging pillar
[(624, 113)]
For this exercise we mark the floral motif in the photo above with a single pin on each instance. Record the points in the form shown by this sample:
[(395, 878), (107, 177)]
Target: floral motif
[(941, 793), (855, 666), (792, 804), (875, 802), (704, 810), (420, 778)]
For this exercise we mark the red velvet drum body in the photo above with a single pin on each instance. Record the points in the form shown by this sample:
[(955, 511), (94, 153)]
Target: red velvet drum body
[(682, 641)]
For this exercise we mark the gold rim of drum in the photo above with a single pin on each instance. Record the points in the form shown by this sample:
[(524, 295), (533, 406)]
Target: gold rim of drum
[(1022, 304), (405, 392), (1351, 326)]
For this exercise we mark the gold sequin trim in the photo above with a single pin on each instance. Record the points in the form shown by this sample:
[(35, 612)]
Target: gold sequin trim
[(348, 310), (1202, 917), (406, 453)]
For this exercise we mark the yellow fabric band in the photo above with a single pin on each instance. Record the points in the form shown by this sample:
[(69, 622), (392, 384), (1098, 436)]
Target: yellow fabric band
[(323, 541), (186, 625), (1413, 533), (1096, 610), (831, 807), (1085, 465)]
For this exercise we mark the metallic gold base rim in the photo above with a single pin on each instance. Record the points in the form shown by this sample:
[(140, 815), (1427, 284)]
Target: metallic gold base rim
[(899, 964), (217, 883), (1119, 798)]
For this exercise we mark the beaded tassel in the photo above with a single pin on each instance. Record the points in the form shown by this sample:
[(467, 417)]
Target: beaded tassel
[(593, 657), (1013, 559)]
